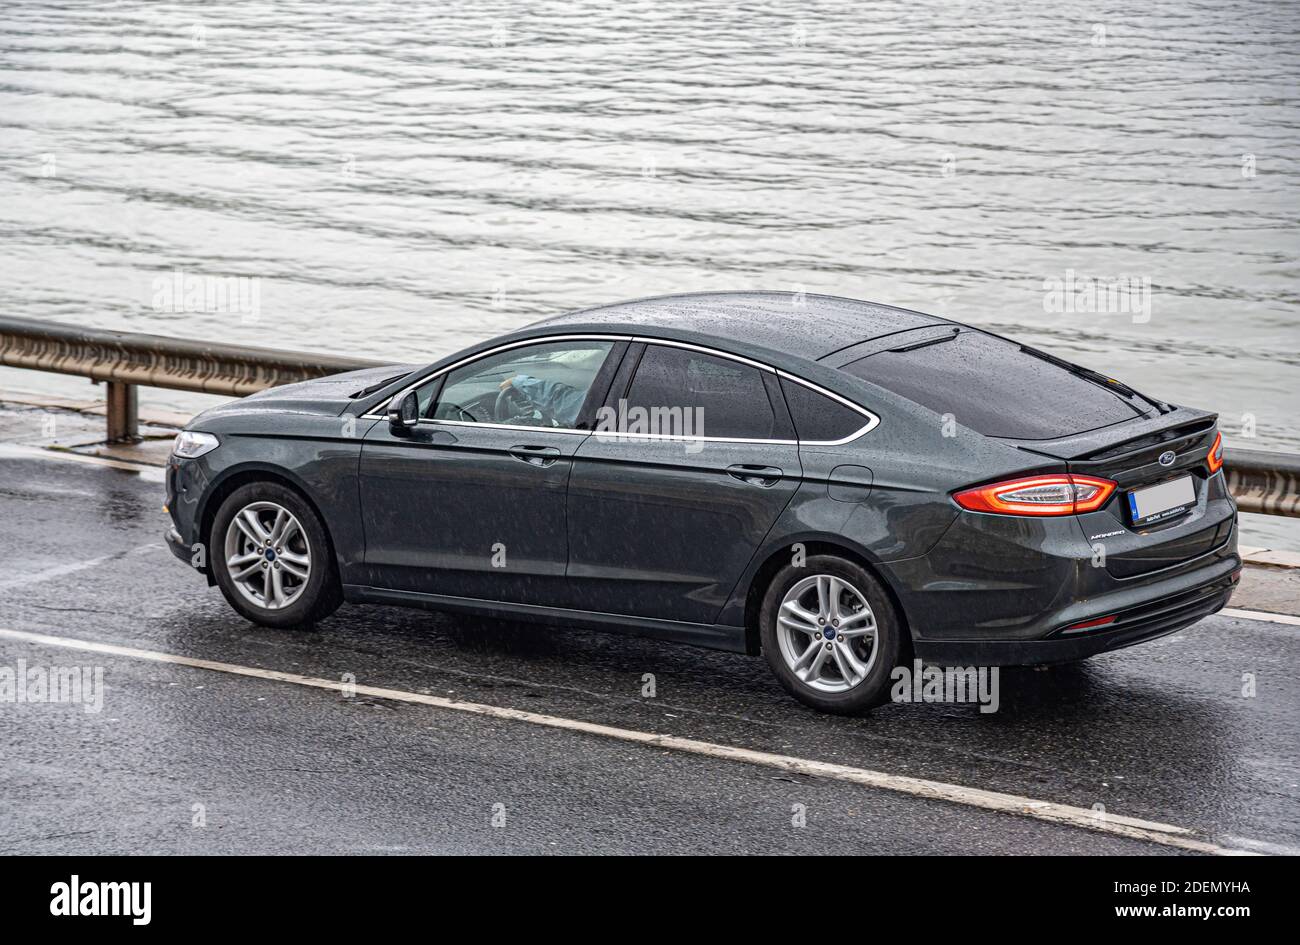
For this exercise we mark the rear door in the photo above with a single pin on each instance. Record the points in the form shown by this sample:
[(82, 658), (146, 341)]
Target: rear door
[(472, 502), (692, 461)]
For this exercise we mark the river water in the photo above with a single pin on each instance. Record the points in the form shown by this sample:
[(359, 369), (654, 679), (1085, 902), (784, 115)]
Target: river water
[(399, 179)]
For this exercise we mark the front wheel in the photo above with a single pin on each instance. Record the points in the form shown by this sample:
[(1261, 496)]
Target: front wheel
[(830, 635), (272, 557)]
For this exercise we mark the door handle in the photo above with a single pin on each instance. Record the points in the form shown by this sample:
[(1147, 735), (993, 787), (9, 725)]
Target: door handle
[(764, 476), (535, 455)]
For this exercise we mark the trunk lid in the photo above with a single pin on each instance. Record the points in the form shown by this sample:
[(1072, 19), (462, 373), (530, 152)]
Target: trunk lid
[(1130, 455)]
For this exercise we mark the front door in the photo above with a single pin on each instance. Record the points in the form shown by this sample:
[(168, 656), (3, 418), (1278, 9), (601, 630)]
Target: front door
[(472, 501)]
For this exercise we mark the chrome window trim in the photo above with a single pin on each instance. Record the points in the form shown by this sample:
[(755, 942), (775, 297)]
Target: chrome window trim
[(872, 419), (505, 426), (683, 438), (702, 349)]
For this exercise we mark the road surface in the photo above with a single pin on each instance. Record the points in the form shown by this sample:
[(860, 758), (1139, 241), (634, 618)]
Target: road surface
[(183, 759)]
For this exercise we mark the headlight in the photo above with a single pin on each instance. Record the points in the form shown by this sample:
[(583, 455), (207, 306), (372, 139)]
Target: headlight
[(190, 444)]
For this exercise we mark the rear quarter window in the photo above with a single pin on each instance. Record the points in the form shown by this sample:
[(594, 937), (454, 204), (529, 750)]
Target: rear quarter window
[(990, 385), (817, 418)]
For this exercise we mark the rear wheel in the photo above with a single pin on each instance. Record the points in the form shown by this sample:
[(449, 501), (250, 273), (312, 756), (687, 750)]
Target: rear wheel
[(830, 635), (272, 558)]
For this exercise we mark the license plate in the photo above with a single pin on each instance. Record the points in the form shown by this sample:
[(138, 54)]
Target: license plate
[(1156, 503)]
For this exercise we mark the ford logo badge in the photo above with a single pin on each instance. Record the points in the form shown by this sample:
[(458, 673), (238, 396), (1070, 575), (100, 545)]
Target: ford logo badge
[(1167, 458)]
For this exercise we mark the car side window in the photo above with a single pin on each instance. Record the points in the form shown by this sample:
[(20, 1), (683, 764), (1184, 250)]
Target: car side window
[(817, 418), (542, 385), (700, 395)]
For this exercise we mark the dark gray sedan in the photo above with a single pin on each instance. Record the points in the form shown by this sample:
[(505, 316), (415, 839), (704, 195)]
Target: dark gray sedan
[(838, 485)]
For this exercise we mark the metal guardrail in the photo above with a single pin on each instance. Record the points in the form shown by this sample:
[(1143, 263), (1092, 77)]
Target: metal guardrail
[(1264, 482), (127, 360), (1260, 481)]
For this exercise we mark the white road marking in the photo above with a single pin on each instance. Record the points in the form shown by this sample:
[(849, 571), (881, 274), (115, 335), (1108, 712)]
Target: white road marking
[(1115, 825), (1264, 846), (1261, 615), (60, 570)]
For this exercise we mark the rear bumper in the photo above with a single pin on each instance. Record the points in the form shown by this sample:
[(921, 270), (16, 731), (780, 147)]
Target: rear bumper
[(1139, 624), (1004, 590)]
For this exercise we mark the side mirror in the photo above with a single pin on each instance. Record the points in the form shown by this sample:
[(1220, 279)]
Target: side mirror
[(404, 414)]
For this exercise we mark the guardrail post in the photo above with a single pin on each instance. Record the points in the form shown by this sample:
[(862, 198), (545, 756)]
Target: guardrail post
[(123, 411)]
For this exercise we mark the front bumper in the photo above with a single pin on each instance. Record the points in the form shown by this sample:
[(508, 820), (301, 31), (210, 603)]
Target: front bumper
[(176, 544), (184, 482)]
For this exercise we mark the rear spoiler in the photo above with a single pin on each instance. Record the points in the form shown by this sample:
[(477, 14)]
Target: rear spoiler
[(1119, 438)]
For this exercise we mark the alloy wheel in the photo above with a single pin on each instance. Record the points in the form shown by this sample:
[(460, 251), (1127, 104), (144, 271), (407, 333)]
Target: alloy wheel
[(268, 555), (827, 633)]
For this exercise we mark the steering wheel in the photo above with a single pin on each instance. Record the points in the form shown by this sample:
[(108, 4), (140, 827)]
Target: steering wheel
[(510, 403)]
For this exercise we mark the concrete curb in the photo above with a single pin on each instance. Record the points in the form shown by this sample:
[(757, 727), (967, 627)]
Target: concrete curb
[(1270, 558)]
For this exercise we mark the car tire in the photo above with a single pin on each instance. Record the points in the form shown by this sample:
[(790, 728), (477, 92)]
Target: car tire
[(844, 683), (268, 587)]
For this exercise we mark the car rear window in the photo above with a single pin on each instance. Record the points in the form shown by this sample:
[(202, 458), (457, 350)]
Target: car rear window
[(990, 385)]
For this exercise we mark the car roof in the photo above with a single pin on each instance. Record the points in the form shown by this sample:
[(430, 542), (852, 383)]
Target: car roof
[(785, 324)]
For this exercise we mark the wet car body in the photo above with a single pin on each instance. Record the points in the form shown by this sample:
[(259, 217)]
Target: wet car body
[(640, 534)]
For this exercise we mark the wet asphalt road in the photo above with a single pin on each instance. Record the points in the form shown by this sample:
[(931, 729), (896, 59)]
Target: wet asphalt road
[(1160, 731)]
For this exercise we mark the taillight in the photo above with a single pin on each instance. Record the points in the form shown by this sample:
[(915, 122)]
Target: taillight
[(1215, 459), (1061, 494)]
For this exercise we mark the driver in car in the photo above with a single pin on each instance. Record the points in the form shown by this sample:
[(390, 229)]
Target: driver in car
[(553, 398)]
